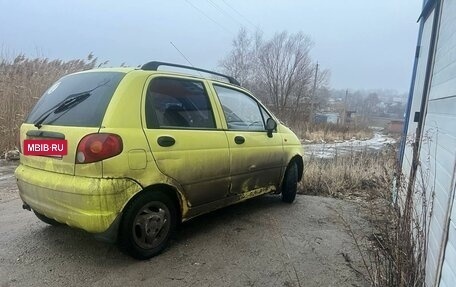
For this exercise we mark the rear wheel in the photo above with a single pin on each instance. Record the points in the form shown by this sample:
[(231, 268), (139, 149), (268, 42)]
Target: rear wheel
[(147, 225), (290, 183), (46, 219)]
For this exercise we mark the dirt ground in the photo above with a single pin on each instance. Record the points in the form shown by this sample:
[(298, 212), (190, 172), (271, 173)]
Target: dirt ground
[(261, 242)]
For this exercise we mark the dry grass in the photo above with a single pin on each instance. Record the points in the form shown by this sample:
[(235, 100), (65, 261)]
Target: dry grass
[(344, 175), (329, 132), (22, 82)]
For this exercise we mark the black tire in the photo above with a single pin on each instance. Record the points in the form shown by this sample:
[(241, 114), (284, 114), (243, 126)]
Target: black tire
[(147, 224), (290, 183), (46, 219)]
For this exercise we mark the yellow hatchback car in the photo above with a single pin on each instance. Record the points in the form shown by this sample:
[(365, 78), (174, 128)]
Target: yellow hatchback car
[(148, 149)]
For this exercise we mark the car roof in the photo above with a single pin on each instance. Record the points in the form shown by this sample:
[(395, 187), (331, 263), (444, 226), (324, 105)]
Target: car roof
[(154, 65), (211, 76)]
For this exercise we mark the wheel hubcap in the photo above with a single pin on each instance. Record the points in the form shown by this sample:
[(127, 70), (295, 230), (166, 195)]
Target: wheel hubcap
[(151, 225)]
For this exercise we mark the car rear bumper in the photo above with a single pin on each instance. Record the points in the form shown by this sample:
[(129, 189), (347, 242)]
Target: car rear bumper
[(91, 204)]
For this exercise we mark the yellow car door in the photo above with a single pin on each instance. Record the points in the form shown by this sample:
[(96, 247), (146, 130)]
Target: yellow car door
[(256, 157), (185, 137)]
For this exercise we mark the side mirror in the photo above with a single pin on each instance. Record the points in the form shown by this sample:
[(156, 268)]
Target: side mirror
[(271, 125)]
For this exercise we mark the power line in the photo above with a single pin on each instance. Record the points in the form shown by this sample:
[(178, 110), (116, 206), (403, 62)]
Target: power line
[(224, 12), (202, 12), (240, 14)]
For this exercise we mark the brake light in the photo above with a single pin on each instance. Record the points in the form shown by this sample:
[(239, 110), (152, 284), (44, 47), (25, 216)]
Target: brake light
[(96, 147)]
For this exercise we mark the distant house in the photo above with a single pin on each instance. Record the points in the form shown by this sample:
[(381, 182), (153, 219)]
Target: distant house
[(333, 118), (430, 126)]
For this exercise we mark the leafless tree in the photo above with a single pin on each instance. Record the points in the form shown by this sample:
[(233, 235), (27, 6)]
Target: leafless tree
[(239, 62), (279, 71), (286, 69)]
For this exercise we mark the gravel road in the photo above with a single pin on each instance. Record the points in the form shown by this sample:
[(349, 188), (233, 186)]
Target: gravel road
[(261, 242)]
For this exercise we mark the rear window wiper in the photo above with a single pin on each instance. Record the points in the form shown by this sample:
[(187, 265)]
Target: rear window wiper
[(65, 105), (68, 103)]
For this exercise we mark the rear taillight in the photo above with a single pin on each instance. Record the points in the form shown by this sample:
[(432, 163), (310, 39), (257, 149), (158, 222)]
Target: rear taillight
[(96, 147)]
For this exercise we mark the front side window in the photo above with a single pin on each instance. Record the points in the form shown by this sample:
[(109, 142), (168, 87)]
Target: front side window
[(178, 103), (241, 111)]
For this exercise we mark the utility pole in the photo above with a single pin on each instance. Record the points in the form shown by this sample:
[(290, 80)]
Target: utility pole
[(312, 98), (344, 115)]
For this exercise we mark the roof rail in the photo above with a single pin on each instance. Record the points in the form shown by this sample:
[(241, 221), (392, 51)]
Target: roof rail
[(153, 66)]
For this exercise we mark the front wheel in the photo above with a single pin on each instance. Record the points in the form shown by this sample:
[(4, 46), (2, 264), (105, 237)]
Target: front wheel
[(290, 183), (147, 225)]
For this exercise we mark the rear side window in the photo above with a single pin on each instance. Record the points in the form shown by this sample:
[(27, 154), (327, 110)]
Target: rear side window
[(178, 103), (98, 88)]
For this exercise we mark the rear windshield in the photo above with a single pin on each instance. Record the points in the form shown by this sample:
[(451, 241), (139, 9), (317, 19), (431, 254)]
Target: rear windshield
[(99, 86)]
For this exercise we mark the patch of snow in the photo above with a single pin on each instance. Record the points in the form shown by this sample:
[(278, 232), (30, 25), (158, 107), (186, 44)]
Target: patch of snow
[(329, 150)]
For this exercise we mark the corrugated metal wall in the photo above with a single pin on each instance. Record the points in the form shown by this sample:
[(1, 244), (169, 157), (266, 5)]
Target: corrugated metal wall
[(448, 278), (441, 117), (436, 173), (417, 93)]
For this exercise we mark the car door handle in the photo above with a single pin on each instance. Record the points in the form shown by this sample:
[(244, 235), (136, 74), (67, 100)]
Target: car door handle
[(239, 140), (166, 141)]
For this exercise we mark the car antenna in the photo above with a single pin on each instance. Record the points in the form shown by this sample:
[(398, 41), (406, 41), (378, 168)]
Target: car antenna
[(182, 54)]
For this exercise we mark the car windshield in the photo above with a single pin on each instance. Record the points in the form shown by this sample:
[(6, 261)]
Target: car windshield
[(98, 88)]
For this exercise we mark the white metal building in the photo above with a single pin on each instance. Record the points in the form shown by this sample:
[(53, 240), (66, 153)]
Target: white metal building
[(431, 124)]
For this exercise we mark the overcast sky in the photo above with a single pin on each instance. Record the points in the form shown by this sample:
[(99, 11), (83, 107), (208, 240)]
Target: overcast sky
[(366, 44)]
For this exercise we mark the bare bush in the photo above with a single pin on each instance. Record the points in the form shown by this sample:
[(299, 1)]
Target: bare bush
[(22, 81), (398, 244)]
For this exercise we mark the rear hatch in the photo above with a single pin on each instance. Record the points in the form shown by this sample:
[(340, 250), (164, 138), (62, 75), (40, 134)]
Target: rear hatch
[(71, 108)]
